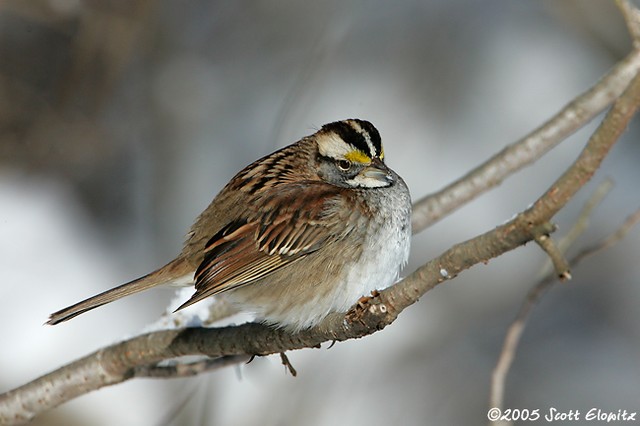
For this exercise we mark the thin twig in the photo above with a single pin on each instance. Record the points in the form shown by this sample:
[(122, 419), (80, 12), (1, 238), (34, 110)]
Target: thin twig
[(583, 219), (581, 224), (287, 364), (560, 264), (514, 333), (631, 221)]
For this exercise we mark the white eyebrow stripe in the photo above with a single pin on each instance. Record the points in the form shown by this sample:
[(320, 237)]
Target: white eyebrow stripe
[(332, 146)]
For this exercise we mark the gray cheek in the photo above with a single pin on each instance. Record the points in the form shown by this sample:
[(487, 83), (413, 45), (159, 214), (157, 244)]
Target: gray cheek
[(329, 174)]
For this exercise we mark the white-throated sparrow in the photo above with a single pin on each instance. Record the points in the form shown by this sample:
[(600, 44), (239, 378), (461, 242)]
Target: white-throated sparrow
[(300, 233)]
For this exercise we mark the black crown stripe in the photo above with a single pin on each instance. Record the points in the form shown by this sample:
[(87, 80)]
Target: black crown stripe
[(354, 137)]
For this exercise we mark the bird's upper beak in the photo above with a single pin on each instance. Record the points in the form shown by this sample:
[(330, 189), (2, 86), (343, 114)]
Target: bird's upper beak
[(377, 171)]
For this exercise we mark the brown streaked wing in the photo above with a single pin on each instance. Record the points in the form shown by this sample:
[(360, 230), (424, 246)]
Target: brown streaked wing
[(295, 220)]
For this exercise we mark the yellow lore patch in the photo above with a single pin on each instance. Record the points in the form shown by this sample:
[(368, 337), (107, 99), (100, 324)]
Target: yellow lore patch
[(357, 156)]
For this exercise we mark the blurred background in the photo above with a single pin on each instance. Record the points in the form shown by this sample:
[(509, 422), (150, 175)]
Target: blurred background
[(121, 120)]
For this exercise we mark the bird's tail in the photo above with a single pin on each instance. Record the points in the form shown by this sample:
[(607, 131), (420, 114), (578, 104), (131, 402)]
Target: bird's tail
[(169, 273)]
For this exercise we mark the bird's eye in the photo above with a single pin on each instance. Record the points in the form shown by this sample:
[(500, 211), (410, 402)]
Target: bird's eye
[(343, 165)]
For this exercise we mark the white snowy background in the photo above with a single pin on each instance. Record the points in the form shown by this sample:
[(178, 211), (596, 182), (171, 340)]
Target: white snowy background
[(119, 122)]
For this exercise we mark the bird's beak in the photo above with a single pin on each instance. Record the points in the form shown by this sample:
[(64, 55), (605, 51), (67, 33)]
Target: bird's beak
[(377, 171)]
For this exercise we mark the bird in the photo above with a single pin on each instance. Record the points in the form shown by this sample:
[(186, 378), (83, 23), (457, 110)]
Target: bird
[(296, 235)]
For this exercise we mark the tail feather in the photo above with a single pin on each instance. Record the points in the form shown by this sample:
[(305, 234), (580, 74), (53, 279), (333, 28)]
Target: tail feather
[(167, 274)]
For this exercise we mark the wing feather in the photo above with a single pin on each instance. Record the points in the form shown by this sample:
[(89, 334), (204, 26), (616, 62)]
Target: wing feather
[(293, 223)]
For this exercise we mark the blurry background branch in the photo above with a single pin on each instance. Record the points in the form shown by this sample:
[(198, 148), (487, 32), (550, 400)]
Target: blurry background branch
[(530, 148)]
